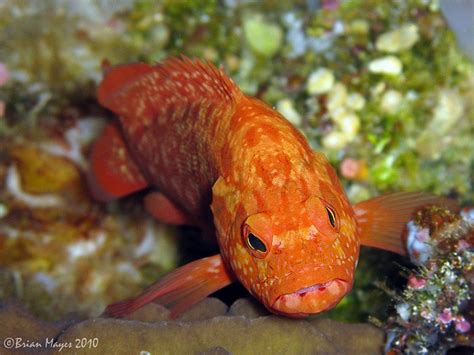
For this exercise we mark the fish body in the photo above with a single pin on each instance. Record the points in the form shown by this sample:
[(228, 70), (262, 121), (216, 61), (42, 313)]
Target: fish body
[(216, 157)]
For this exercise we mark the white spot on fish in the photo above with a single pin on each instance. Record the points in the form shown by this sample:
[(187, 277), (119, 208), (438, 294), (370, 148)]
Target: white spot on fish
[(212, 270), (216, 262)]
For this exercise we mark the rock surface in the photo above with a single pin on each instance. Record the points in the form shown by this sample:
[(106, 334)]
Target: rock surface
[(208, 328)]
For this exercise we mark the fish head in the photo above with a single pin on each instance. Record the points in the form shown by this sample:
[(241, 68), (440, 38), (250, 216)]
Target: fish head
[(313, 260), (296, 258), (304, 260)]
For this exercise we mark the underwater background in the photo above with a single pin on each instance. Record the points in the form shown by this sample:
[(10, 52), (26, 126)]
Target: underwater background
[(384, 88)]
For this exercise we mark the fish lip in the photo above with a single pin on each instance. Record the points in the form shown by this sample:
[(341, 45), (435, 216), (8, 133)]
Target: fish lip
[(302, 292), (319, 286)]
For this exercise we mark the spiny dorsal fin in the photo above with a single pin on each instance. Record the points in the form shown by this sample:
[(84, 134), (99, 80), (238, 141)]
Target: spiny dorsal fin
[(205, 79), (142, 90)]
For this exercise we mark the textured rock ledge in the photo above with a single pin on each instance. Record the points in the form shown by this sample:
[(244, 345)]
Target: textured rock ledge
[(208, 328)]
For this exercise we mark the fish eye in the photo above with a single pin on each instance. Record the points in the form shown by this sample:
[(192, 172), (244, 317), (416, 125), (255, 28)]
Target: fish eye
[(257, 234), (256, 243), (331, 216)]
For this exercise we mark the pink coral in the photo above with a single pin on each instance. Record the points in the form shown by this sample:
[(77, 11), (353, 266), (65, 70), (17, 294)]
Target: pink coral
[(354, 169), (330, 4), (416, 283), (445, 317), (4, 74), (463, 244), (349, 168), (462, 325), (426, 314)]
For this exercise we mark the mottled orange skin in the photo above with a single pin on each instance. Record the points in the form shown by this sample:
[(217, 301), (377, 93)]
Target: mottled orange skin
[(269, 170), (201, 142)]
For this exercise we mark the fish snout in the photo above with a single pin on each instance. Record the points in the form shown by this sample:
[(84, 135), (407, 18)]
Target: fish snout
[(313, 299)]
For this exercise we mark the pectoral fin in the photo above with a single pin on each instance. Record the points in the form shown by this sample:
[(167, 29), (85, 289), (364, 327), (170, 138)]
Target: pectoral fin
[(381, 220), (181, 288)]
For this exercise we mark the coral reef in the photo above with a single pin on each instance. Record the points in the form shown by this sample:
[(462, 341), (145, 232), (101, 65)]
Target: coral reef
[(435, 311), (60, 252), (378, 86), (208, 328), (380, 82)]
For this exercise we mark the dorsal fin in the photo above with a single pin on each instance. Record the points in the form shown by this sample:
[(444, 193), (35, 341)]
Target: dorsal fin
[(199, 78), (143, 91)]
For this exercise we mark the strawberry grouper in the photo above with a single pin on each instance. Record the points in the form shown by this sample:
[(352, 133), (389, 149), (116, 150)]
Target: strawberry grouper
[(212, 157)]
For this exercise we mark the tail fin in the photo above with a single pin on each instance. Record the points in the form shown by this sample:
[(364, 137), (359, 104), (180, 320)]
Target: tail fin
[(381, 220)]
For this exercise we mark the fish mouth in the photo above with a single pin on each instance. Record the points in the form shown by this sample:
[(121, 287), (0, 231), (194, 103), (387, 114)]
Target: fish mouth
[(312, 299)]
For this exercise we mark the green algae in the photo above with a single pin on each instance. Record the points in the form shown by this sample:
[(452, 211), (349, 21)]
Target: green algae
[(264, 38)]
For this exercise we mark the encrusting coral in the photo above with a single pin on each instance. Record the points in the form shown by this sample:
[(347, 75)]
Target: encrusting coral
[(208, 326), (435, 312)]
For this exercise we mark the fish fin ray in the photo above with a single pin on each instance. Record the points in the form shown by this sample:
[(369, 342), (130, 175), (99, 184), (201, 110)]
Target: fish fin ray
[(181, 288), (166, 90), (112, 172), (381, 220), (205, 78)]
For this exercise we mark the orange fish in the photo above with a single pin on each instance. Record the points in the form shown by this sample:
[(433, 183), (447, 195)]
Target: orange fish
[(216, 158)]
